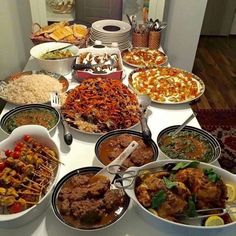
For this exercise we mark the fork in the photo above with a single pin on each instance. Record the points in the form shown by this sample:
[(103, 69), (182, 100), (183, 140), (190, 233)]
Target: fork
[(55, 102)]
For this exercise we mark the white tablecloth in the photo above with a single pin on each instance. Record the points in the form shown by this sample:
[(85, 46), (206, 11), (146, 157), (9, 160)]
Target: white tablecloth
[(81, 154)]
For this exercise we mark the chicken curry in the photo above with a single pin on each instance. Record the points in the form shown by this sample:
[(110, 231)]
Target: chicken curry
[(180, 190)]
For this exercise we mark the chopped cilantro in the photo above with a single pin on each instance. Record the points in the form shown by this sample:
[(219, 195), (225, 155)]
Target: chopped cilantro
[(158, 199)]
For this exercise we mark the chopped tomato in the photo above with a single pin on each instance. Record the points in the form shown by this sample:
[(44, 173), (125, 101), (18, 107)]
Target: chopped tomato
[(26, 137), (17, 148), (16, 207), (2, 165), (16, 155), (8, 153)]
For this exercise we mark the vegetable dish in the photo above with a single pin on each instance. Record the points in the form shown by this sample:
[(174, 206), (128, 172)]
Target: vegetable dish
[(58, 54), (35, 116), (188, 145)]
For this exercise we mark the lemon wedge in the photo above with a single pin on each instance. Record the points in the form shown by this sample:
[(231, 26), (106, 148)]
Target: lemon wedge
[(232, 213), (231, 192), (214, 221)]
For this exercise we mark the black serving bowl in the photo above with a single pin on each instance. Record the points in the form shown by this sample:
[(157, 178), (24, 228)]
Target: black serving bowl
[(198, 139), (8, 122), (141, 152), (113, 216)]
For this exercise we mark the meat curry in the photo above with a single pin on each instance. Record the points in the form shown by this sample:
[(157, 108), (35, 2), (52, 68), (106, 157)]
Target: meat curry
[(180, 190), (86, 201)]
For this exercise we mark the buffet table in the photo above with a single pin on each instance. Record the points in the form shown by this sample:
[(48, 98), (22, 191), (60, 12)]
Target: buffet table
[(81, 154)]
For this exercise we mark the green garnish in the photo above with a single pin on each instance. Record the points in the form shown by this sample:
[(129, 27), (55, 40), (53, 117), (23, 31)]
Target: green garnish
[(168, 183), (191, 211), (212, 176), (183, 165), (158, 199)]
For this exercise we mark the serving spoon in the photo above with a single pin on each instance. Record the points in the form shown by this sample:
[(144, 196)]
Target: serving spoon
[(144, 102), (183, 125), (117, 162)]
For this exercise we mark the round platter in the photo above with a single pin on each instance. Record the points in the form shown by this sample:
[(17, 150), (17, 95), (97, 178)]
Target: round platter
[(4, 84), (100, 105), (166, 85), (143, 57)]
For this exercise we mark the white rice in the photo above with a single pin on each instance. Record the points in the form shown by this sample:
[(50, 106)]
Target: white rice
[(33, 88)]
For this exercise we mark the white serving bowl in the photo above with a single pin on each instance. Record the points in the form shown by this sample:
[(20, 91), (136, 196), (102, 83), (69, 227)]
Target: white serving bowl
[(165, 225), (42, 135), (59, 66)]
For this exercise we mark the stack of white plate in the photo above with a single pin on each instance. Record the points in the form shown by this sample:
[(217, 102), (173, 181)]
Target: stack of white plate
[(110, 31)]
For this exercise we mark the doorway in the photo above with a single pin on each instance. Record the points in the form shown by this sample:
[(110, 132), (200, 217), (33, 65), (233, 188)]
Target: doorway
[(220, 18)]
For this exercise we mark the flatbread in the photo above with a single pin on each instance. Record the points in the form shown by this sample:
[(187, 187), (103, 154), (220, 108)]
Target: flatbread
[(50, 28), (80, 31), (61, 33)]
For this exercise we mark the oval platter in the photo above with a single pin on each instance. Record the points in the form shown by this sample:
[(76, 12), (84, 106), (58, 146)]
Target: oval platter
[(166, 85), (15, 76)]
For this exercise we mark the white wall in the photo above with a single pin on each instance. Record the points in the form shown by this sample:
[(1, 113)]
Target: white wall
[(180, 39), (15, 29)]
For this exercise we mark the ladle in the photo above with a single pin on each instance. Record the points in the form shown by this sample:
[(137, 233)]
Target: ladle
[(144, 102), (183, 125)]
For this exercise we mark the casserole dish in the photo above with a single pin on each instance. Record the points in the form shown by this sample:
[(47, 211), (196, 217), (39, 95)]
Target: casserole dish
[(93, 56), (131, 181)]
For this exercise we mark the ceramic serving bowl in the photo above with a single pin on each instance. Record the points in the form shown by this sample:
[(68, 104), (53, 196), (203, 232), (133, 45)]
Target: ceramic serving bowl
[(32, 114), (190, 144), (10, 219), (167, 225), (110, 145), (60, 66), (81, 207)]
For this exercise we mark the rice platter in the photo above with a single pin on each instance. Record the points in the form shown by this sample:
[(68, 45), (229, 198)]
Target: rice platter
[(28, 89)]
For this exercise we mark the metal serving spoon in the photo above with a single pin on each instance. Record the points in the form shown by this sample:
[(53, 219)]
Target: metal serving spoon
[(116, 164), (183, 125), (144, 102)]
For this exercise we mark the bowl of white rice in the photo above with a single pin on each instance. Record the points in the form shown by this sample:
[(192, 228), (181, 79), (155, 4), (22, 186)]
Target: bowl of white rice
[(63, 65)]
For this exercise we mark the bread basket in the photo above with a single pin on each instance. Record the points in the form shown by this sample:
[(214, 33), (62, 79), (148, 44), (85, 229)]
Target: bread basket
[(37, 39)]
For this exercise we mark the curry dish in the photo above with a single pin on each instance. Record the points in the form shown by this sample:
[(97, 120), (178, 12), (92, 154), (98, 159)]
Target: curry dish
[(188, 145), (112, 147), (34, 116), (86, 201), (180, 190)]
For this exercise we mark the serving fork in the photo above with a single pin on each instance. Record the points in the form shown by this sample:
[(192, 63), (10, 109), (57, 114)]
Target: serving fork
[(55, 102)]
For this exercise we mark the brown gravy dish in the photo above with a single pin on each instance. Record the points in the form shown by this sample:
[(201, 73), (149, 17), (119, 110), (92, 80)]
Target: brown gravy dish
[(111, 148), (87, 202)]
